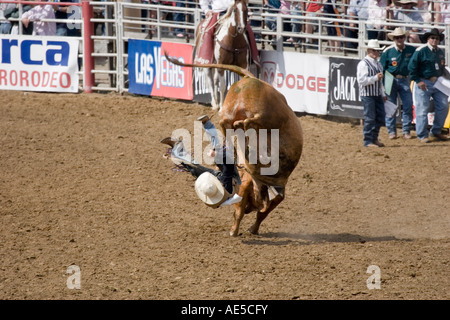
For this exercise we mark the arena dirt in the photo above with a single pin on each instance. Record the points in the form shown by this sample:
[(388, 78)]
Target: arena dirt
[(83, 182)]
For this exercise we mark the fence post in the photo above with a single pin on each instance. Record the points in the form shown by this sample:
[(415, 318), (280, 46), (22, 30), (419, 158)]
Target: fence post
[(88, 14)]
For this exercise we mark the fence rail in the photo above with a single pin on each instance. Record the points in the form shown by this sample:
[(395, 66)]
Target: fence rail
[(114, 23)]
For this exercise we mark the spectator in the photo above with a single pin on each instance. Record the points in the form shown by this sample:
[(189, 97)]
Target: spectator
[(313, 9), (5, 25), (425, 66), (425, 9), (369, 76), (281, 7), (377, 19), (408, 14), (36, 14), (395, 60), (272, 6), (182, 17), (357, 10), (333, 27), (65, 12), (297, 10), (442, 12), (13, 12)]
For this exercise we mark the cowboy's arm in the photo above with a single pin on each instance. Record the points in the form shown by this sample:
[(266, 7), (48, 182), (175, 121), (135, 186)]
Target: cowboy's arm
[(413, 67)]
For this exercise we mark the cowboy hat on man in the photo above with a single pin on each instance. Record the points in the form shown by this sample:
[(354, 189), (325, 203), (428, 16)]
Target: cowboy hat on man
[(399, 3), (433, 32), (374, 45), (398, 32)]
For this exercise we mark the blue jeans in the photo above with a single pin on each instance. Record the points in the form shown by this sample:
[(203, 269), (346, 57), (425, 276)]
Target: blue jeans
[(422, 101), (400, 87), (5, 27), (215, 137), (374, 118), (181, 16)]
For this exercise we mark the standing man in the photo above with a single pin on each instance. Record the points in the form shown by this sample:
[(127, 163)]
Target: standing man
[(395, 60), (370, 79), (425, 66)]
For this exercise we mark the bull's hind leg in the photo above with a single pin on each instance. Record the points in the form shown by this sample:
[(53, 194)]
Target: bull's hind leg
[(262, 214)]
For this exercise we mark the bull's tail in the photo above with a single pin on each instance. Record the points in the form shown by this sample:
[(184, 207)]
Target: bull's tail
[(240, 71)]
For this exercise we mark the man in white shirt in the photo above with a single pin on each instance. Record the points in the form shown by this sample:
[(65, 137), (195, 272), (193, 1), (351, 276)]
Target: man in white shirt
[(371, 90)]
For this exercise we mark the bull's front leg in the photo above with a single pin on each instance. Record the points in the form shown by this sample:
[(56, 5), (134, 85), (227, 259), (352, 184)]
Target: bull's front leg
[(238, 215)]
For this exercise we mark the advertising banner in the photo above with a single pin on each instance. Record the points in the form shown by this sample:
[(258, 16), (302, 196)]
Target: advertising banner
[(151, 74), (33, 63), (344, 98), (202, 92), (301, 78)]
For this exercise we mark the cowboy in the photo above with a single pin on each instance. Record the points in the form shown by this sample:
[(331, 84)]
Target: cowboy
[(371, 90), (394, 60), (425, 66), (212, 187), (205, 53)]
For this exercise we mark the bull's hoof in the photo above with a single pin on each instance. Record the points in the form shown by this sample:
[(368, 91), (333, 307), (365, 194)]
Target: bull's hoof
[(234, 232), (253, 230)]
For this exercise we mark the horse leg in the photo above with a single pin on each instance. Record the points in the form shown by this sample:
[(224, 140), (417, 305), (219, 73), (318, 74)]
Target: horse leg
[(222, 87), (217, 87), (209, 77)]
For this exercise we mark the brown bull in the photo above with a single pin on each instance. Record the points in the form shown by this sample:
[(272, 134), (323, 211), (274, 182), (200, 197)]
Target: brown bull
[(254, 104)]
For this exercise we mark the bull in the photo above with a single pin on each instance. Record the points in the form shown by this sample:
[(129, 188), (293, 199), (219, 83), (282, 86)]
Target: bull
[(252, 104)]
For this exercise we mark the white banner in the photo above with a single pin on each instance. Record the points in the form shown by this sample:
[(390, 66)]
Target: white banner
[(302, 78), (32, 63)]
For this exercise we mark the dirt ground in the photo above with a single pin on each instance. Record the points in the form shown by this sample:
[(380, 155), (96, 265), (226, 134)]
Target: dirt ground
[(83, 182)]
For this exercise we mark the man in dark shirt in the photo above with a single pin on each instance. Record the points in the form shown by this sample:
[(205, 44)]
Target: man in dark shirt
[(425, 66), (394, 60)]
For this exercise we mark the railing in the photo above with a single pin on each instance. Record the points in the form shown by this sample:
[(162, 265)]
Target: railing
[(114, 23)]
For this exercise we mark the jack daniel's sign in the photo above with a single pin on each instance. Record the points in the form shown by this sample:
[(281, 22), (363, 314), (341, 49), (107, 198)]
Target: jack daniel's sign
[(343, 89)]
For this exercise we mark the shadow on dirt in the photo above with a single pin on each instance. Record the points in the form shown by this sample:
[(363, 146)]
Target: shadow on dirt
[(284, 238)]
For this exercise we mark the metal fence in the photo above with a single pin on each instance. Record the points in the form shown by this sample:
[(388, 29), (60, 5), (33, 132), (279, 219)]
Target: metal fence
[(114, 23)]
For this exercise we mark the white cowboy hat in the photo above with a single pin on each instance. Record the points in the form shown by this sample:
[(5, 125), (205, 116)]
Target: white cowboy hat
[(210, 190), (374, 45), (400, 2), (398, 32)]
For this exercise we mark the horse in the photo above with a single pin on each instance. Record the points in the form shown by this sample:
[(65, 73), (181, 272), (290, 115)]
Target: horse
[(231, 47)]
